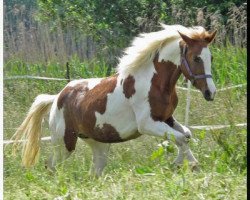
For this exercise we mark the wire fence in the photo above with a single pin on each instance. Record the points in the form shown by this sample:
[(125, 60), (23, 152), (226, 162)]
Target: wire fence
[(188, 102), (212, 127), (68, 79), (35, 77)]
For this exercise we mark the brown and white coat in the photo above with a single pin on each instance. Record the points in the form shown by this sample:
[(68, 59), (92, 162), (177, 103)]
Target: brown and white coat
[(139, 99)]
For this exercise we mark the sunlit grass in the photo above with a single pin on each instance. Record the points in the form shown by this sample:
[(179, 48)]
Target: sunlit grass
[(137, 169), (229, 67)]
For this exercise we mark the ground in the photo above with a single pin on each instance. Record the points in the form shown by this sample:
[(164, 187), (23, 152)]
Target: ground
[(140, 168)]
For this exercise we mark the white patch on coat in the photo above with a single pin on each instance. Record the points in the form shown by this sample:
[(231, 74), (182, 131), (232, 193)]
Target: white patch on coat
[(92, 82), (171, 52), (206, 57), (56, 122), (118, 113)]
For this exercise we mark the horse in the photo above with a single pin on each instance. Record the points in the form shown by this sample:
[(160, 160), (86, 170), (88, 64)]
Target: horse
[(139, 99)]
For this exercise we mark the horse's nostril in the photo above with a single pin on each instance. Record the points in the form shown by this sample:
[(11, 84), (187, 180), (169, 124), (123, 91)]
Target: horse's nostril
[(207, 94), (188, 136)]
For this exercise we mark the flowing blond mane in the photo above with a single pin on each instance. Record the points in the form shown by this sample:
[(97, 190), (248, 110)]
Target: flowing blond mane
[(146, 45)]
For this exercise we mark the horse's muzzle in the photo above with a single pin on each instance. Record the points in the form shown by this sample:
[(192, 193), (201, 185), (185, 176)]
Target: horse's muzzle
[(208, 96)]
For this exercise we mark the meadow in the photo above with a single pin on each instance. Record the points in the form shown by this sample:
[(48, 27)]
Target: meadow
[(141, 168)]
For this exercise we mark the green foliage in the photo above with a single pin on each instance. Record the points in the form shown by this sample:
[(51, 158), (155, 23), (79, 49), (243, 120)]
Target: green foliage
[(112, 20), (230, 155), (229, 65), (78, 69), (211, 5), (16, 3), (137, 169), (157, 153), (143, 170)]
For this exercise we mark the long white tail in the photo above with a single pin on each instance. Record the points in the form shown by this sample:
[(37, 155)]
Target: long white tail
[(30, 129)]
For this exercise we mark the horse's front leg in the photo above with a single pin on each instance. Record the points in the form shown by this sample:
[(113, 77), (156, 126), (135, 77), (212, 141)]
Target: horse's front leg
[(147, 125), (183, 149), (179, 127)]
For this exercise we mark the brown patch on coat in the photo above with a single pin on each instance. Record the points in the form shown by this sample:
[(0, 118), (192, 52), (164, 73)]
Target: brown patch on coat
[(65, 100), (68, 91), (170, 121), (162, 95), (80, 105), (108, 134), (95, 100), (129, 86)]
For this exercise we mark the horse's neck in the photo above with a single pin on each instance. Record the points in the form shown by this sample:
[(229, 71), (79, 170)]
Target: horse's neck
[(175, 77), (167, 75)]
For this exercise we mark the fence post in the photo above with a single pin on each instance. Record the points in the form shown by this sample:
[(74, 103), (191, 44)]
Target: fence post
[(187, 104), (67, 72)]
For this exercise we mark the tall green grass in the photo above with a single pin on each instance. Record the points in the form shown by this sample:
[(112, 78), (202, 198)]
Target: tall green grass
[(137, 169), (228, 67), (78, 69)]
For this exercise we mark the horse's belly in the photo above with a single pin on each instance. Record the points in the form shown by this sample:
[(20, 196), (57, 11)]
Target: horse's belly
[(115, 125)]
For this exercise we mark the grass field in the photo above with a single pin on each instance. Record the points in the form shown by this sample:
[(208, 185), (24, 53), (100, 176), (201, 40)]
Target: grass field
[(141, 168)]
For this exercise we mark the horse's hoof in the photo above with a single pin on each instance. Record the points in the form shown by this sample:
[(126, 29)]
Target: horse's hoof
[(195, 167), (49, 168), (188, 135), (187, 139), (177, 164)]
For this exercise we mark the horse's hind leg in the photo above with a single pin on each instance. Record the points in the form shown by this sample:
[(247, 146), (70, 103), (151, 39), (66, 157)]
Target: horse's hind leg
[(100, 155), (58, 154), (63, 139)]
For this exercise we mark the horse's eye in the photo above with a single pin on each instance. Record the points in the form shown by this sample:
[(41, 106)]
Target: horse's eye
[(197, 59)]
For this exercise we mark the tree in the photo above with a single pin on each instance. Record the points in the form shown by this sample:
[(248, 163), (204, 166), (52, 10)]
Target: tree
[(116, 21)]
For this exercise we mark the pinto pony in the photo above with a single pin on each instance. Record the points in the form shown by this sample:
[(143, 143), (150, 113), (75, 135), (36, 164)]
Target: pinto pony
[(139, 99)]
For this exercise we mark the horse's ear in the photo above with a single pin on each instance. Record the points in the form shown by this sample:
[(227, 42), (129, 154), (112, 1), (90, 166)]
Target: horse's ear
[(187, 39), (211, 37)]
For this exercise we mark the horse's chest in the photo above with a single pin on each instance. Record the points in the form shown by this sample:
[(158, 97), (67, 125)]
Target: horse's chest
[(162, 105)]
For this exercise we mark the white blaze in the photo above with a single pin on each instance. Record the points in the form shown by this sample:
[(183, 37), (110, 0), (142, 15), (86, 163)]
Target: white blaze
[(206, 57)]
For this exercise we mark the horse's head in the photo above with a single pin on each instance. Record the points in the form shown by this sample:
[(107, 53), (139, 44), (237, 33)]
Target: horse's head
[(196, 62)]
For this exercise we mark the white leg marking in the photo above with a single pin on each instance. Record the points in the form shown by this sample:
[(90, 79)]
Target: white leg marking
[(58, 155), (184, 150), (182, 129), (180, 156), (100, 155)]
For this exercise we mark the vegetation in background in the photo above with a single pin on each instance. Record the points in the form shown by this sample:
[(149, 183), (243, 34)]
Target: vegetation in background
[(140, 168), (40, 37), (54, 31), (228, 67)]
